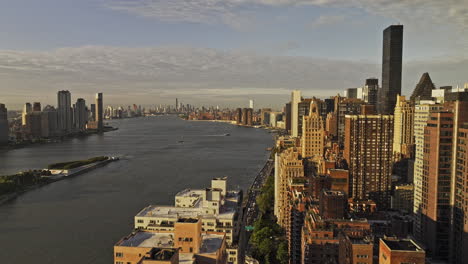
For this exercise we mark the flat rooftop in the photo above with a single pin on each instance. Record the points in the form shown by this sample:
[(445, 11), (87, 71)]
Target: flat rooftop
[(402, 245), (183, 212), (147, 239), (211, 243)]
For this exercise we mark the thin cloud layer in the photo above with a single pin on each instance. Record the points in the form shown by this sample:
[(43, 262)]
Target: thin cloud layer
[(452, 12), (158, 74)]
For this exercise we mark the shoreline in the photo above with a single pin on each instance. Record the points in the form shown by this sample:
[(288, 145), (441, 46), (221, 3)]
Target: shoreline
[(55, 139), (58, 177)]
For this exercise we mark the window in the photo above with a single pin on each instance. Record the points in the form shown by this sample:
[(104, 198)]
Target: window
[(119, 254), (140, 221), (191, 250)]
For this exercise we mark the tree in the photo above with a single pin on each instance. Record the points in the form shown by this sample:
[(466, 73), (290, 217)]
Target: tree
[(282, 253)]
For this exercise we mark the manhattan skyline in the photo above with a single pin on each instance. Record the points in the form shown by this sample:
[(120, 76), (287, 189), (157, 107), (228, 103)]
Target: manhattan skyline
[(220, 52)]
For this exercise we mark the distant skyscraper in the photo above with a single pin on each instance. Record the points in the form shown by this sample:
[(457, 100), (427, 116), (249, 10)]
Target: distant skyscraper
[(313, 133), (65, 115), (37, 107), (177, 104), (423, 90), (295, 99), (368, 151), (4, 130), (27, 108), (370, 90), (99, 112), (251, 104), (392, 57), (93, 112), (81, 114)]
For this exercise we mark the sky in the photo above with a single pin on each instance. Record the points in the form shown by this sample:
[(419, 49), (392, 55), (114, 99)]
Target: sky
[(219, 52)]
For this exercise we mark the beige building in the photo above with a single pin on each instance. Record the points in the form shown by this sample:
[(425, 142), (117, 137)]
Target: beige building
[(288, 165), (403, 140), (186, 244), (313, 133), (295, 99), (422, 112), (217, 208)]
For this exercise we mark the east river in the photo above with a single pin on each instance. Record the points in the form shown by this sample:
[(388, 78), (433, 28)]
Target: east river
[(78, 220)]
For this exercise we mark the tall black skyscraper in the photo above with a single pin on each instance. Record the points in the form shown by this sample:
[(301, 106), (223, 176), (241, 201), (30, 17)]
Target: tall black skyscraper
[(392, 58)]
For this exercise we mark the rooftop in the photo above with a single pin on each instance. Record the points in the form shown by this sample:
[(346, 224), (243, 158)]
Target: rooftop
[(147, 239), (402, 245), (182, 212), (211, 243)]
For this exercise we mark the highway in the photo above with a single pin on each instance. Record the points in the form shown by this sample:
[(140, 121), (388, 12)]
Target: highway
[(249, 208)]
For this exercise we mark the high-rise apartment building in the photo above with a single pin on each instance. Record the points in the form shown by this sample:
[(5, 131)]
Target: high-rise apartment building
[(81, 114), (421, 115), (303, 109), (27, 108), (346, 106), (65, 115), (313, 133), (288, 165), (4, 128), (49, 121), (436, 184), (295, 100), (403, 135), (368, 151), (99, 112), (392, 58)]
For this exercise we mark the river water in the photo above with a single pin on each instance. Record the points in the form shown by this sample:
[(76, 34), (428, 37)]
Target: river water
[(78, 220)]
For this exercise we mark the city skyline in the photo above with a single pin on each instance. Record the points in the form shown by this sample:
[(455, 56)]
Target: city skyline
[(204, 52)]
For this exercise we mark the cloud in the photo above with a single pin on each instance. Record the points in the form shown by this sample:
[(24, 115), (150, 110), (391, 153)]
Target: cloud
[(202, 76), (230, 12), (326, 20)]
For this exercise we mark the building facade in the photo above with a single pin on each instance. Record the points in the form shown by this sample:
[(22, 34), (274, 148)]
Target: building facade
[(392, 58), (368, 151)]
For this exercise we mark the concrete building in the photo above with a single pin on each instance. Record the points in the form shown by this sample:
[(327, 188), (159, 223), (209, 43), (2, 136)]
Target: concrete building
[(216, 207), (239, 116), (392, 60), (421, 115), (37, 107), (397, 251), (295, 100), (345, 107), (313, 133), (50, 122), (288, 165), (287, 113), (335, 240), (436, 184), (403, 139), (402, 198), (186, 243), (27, 108), (368, 151), (4, 128), (99, 112), (81, 114), (251, 104), (332, 204), (369, 92), (65, 115)]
